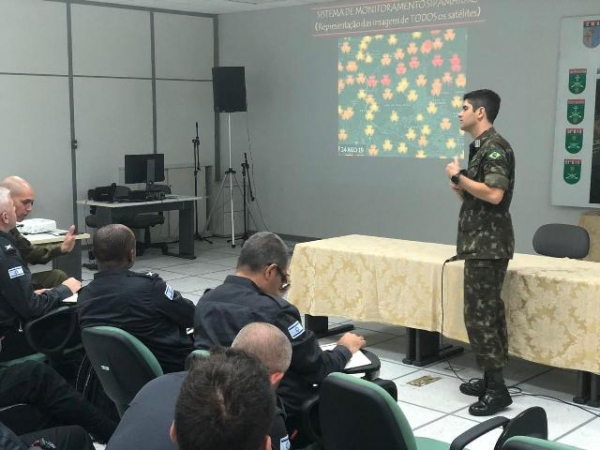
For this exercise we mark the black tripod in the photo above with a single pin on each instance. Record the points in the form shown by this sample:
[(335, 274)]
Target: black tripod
[(246, 174), (196, 142)]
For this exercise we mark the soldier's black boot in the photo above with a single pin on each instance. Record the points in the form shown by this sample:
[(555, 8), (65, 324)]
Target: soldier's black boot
[(495, 398), (474, 387)]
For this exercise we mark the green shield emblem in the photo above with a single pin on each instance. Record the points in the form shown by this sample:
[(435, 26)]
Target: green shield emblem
[(574, 140), (577, 80), (575, 111), (572, 171)]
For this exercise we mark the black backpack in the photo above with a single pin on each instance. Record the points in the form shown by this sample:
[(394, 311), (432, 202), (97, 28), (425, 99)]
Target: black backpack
[(89, 385)]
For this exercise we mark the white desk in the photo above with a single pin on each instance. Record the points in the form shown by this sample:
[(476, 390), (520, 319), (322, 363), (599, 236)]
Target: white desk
[(69, 263), (185, 204)]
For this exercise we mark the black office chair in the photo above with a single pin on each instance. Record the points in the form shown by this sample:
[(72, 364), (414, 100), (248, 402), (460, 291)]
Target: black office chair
[(569, 241), (121, 361), (136, 221), (531, 443), (356, 413), (147, 221), (51, 336), (50, 347), (560, 240), (110, 193), (64, 337)]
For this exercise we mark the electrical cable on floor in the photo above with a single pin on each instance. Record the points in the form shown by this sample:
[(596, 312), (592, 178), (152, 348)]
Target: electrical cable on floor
[(514, 390)]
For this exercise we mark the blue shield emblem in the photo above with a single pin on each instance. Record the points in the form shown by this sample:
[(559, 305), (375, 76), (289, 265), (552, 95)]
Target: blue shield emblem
[(591, 33)]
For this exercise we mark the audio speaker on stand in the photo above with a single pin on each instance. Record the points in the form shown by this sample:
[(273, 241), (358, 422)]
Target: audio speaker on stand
[(229, 89)]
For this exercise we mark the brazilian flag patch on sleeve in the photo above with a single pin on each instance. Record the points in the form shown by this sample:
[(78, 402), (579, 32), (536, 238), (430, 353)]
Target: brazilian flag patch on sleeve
[(495, 155)]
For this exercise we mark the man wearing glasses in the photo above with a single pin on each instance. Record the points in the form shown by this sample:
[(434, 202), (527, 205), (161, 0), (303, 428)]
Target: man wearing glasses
[(254, 294)]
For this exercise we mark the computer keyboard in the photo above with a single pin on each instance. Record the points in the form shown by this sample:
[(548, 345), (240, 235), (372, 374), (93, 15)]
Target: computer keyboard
[(171, 196)]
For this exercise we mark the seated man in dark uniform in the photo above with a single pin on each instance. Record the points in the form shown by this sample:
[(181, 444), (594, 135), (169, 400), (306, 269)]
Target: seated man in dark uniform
[(147, 420), (63, 438), (253, 294), (23, 195), (18, 301), (53, 402), (139, 303)]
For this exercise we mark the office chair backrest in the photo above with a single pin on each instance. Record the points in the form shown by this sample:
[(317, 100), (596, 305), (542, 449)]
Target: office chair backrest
[(121, 361), (532, 422), (530, 443), (65, 332), (358, 414), (194, 356), (560, 240)]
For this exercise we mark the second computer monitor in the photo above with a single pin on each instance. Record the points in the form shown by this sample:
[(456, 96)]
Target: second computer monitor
[(144, 168)]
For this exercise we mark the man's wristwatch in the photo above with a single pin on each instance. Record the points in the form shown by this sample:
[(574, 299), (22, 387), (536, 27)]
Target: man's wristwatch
[(455, 178)]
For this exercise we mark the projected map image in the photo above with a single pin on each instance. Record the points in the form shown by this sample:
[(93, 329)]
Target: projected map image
[(399, 94)]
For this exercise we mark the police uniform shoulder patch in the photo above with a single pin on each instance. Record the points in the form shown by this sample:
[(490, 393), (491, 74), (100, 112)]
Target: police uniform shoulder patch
[(284, 443), (296, 329), (148, 274), (16, 272), (9, 249), (169, 292)]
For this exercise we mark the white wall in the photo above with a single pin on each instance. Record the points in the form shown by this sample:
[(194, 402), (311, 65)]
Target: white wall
[(34, 102), (141, 80), (305, 189)]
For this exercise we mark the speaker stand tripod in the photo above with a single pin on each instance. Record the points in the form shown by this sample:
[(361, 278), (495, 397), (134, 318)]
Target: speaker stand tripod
[(229, 178), (196, 142)]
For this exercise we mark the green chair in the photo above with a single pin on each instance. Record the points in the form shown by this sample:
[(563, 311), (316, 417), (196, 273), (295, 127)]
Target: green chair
[(531, 443), (122, 362), (357, 414), (194, 356)]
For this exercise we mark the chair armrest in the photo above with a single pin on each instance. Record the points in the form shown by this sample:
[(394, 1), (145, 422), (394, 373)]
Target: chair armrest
[(61, 322), (478, 430), (310, 418)]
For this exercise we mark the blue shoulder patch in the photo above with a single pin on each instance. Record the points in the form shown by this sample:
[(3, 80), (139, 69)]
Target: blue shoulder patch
[(284, 443), (16, 272), (296, 329)]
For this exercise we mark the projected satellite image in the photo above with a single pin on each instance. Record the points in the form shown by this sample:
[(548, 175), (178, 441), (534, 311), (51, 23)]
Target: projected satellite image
[(399, 94)]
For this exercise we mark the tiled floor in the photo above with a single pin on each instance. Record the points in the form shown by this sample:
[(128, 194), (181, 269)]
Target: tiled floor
[(435, 410)]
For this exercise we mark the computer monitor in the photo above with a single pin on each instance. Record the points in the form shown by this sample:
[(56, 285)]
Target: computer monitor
[(144, 168)]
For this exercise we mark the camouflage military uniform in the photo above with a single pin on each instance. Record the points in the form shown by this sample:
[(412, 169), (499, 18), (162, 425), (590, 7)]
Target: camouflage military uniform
[(40, 254), (486, 242)]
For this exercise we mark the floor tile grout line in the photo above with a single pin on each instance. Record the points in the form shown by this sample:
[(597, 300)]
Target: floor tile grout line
[(575, 429), (548, 370)]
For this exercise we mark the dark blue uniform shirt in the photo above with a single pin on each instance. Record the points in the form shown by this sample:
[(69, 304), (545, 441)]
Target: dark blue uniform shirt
[(222, 312), (143, 305)]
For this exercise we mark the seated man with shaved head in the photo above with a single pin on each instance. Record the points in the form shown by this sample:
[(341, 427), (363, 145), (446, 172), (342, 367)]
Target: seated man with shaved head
[(23, 196), (19, 302), (139, 303)]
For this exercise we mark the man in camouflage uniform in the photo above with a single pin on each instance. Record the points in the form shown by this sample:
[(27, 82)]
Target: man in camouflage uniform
[(23, 196), (486, 243)]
